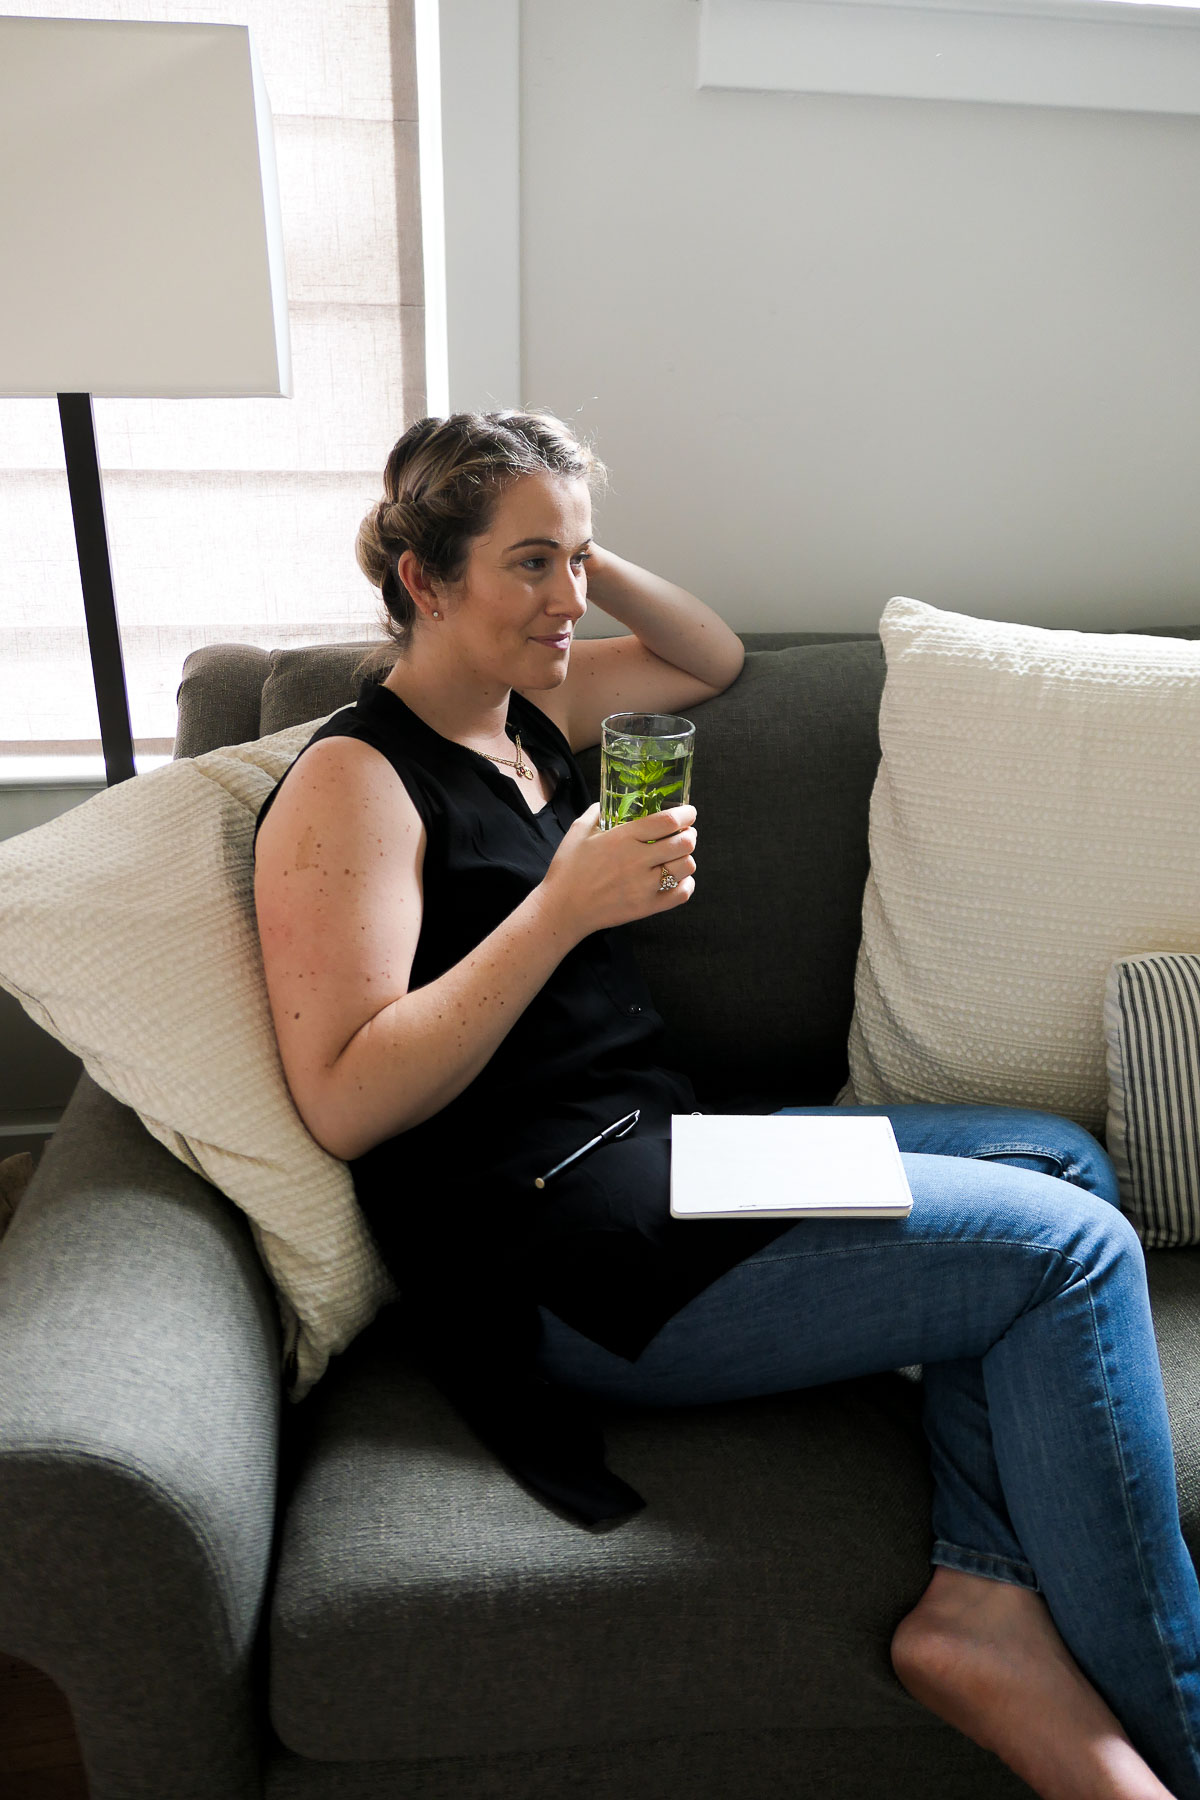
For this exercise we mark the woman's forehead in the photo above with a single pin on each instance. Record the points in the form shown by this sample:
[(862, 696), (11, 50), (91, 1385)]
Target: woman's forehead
[(542, 505)]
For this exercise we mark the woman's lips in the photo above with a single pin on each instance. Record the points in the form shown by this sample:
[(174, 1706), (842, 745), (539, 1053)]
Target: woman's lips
[(558, 643)]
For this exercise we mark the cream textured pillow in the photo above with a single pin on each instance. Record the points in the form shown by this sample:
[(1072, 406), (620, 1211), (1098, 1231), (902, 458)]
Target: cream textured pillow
[(127, 930), (1034, 819)]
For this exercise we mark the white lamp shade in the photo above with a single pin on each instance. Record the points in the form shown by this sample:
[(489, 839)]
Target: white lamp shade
[(140, 241)]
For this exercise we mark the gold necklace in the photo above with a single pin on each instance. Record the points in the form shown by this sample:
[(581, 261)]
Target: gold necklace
[(518, 762)]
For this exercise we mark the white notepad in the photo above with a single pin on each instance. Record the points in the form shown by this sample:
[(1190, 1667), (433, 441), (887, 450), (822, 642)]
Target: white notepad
[(763, 1166)]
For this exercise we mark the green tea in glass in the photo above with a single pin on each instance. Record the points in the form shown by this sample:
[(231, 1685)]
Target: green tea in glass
[(645, 765)]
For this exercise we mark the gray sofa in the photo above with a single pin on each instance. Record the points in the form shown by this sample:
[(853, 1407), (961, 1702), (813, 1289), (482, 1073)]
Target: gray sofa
[(349, 1597)]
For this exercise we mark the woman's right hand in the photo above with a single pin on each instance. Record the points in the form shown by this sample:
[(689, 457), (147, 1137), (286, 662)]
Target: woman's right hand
[(603, 878)]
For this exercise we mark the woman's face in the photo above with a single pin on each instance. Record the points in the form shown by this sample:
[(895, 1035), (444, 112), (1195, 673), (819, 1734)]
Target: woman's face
[(525, 589)]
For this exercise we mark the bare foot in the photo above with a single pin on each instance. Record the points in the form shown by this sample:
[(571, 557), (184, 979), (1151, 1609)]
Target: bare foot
[(986, 1657)]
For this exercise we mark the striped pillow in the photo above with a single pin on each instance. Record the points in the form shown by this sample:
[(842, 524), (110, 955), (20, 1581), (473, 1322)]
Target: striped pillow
[(1152, 1032)]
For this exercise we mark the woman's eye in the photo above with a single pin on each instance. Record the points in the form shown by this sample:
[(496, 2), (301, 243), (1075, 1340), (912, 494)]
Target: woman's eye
[(539, 562)]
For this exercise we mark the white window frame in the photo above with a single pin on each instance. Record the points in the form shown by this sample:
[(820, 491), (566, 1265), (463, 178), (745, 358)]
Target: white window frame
[(1112, 55), (478, 93)]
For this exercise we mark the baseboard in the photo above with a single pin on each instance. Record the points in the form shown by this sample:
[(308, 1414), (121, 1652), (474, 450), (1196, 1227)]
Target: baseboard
[(30, 1131)]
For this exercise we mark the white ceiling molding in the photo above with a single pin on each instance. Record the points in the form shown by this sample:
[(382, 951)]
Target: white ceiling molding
[(1115, 55)]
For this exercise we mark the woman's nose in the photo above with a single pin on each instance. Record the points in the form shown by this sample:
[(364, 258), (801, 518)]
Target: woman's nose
[(572, 597)]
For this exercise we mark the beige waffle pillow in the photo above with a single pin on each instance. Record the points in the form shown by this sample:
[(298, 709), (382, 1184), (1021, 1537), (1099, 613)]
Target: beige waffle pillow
[(1034, 819), (127, 930)]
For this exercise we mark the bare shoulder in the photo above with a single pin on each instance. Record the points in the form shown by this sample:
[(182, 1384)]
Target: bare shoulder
[(328, 774), (338, 897)]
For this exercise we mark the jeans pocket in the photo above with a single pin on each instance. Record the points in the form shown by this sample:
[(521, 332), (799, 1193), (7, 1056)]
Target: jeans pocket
[(1039, 1161)]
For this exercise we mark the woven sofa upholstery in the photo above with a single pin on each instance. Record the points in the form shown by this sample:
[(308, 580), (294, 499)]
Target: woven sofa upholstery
[(350, 1598)]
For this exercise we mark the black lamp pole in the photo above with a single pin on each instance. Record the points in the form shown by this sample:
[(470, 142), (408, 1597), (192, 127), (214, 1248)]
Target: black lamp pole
[(95, 573)]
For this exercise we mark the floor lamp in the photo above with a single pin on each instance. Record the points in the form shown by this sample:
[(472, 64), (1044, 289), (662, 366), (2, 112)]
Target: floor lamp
[(140, 235)]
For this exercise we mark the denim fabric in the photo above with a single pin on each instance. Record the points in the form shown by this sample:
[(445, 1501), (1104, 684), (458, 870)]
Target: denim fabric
[(1020, 1288)]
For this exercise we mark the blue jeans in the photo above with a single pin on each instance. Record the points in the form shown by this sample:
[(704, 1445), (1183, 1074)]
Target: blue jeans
[(1021, 1289)]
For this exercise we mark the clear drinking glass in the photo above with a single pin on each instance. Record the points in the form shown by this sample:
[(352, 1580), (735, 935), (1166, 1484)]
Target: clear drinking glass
[(645, 765)]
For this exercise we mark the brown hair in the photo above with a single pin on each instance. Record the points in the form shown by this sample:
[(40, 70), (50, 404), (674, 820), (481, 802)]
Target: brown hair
[(440, 488)]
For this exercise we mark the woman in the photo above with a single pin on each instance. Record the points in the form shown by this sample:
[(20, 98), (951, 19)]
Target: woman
[(456, 1012)]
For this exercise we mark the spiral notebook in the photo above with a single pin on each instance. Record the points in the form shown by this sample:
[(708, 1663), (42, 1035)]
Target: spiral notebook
[(772, 1166)]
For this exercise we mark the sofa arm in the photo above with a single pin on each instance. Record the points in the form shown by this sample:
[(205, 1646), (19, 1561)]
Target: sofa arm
[(139, 1429)]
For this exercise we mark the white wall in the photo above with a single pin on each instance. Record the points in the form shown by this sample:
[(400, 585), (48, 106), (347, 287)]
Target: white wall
[(838, 349)]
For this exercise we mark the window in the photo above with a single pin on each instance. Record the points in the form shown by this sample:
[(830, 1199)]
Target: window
[(1121, 55), (234, 520)]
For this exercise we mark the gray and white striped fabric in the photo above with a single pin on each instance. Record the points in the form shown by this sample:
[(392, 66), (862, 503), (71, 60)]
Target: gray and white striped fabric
[(1152, 1032)]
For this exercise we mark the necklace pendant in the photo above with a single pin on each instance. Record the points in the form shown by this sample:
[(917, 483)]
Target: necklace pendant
[(517, 763), (520, 765)]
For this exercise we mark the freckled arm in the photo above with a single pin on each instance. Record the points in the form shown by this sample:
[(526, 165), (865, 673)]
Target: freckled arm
[(669, 621), (420, 1051)]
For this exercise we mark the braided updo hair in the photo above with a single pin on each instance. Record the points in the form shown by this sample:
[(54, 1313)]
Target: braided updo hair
[(441, 485)]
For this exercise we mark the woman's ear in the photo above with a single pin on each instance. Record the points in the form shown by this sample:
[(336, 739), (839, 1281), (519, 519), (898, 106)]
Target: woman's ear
[(423, 592)]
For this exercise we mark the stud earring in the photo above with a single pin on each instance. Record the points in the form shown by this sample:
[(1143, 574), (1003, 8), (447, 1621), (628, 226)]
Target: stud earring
[(437, 615)]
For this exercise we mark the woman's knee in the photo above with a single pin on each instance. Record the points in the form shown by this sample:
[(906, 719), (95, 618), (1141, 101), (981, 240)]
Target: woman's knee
[(1032, 1211), (1097, 1236)]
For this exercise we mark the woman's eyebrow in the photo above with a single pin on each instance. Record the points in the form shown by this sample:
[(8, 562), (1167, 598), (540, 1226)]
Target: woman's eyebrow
[(550, 543)]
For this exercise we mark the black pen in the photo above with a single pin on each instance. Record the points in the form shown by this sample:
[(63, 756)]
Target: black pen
[(621, 1129)]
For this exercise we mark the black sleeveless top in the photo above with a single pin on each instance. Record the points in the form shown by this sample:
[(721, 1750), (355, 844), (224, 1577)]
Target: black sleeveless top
[(473, 1246)]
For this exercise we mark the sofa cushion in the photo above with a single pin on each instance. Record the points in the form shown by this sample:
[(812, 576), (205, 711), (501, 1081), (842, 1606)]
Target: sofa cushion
[(219, 698), (783, 1539), (754, 977), (320, 679), (1033, 819), (784, 1534)]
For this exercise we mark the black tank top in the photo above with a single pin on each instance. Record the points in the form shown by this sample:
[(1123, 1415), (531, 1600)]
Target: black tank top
[(473, 1246)]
